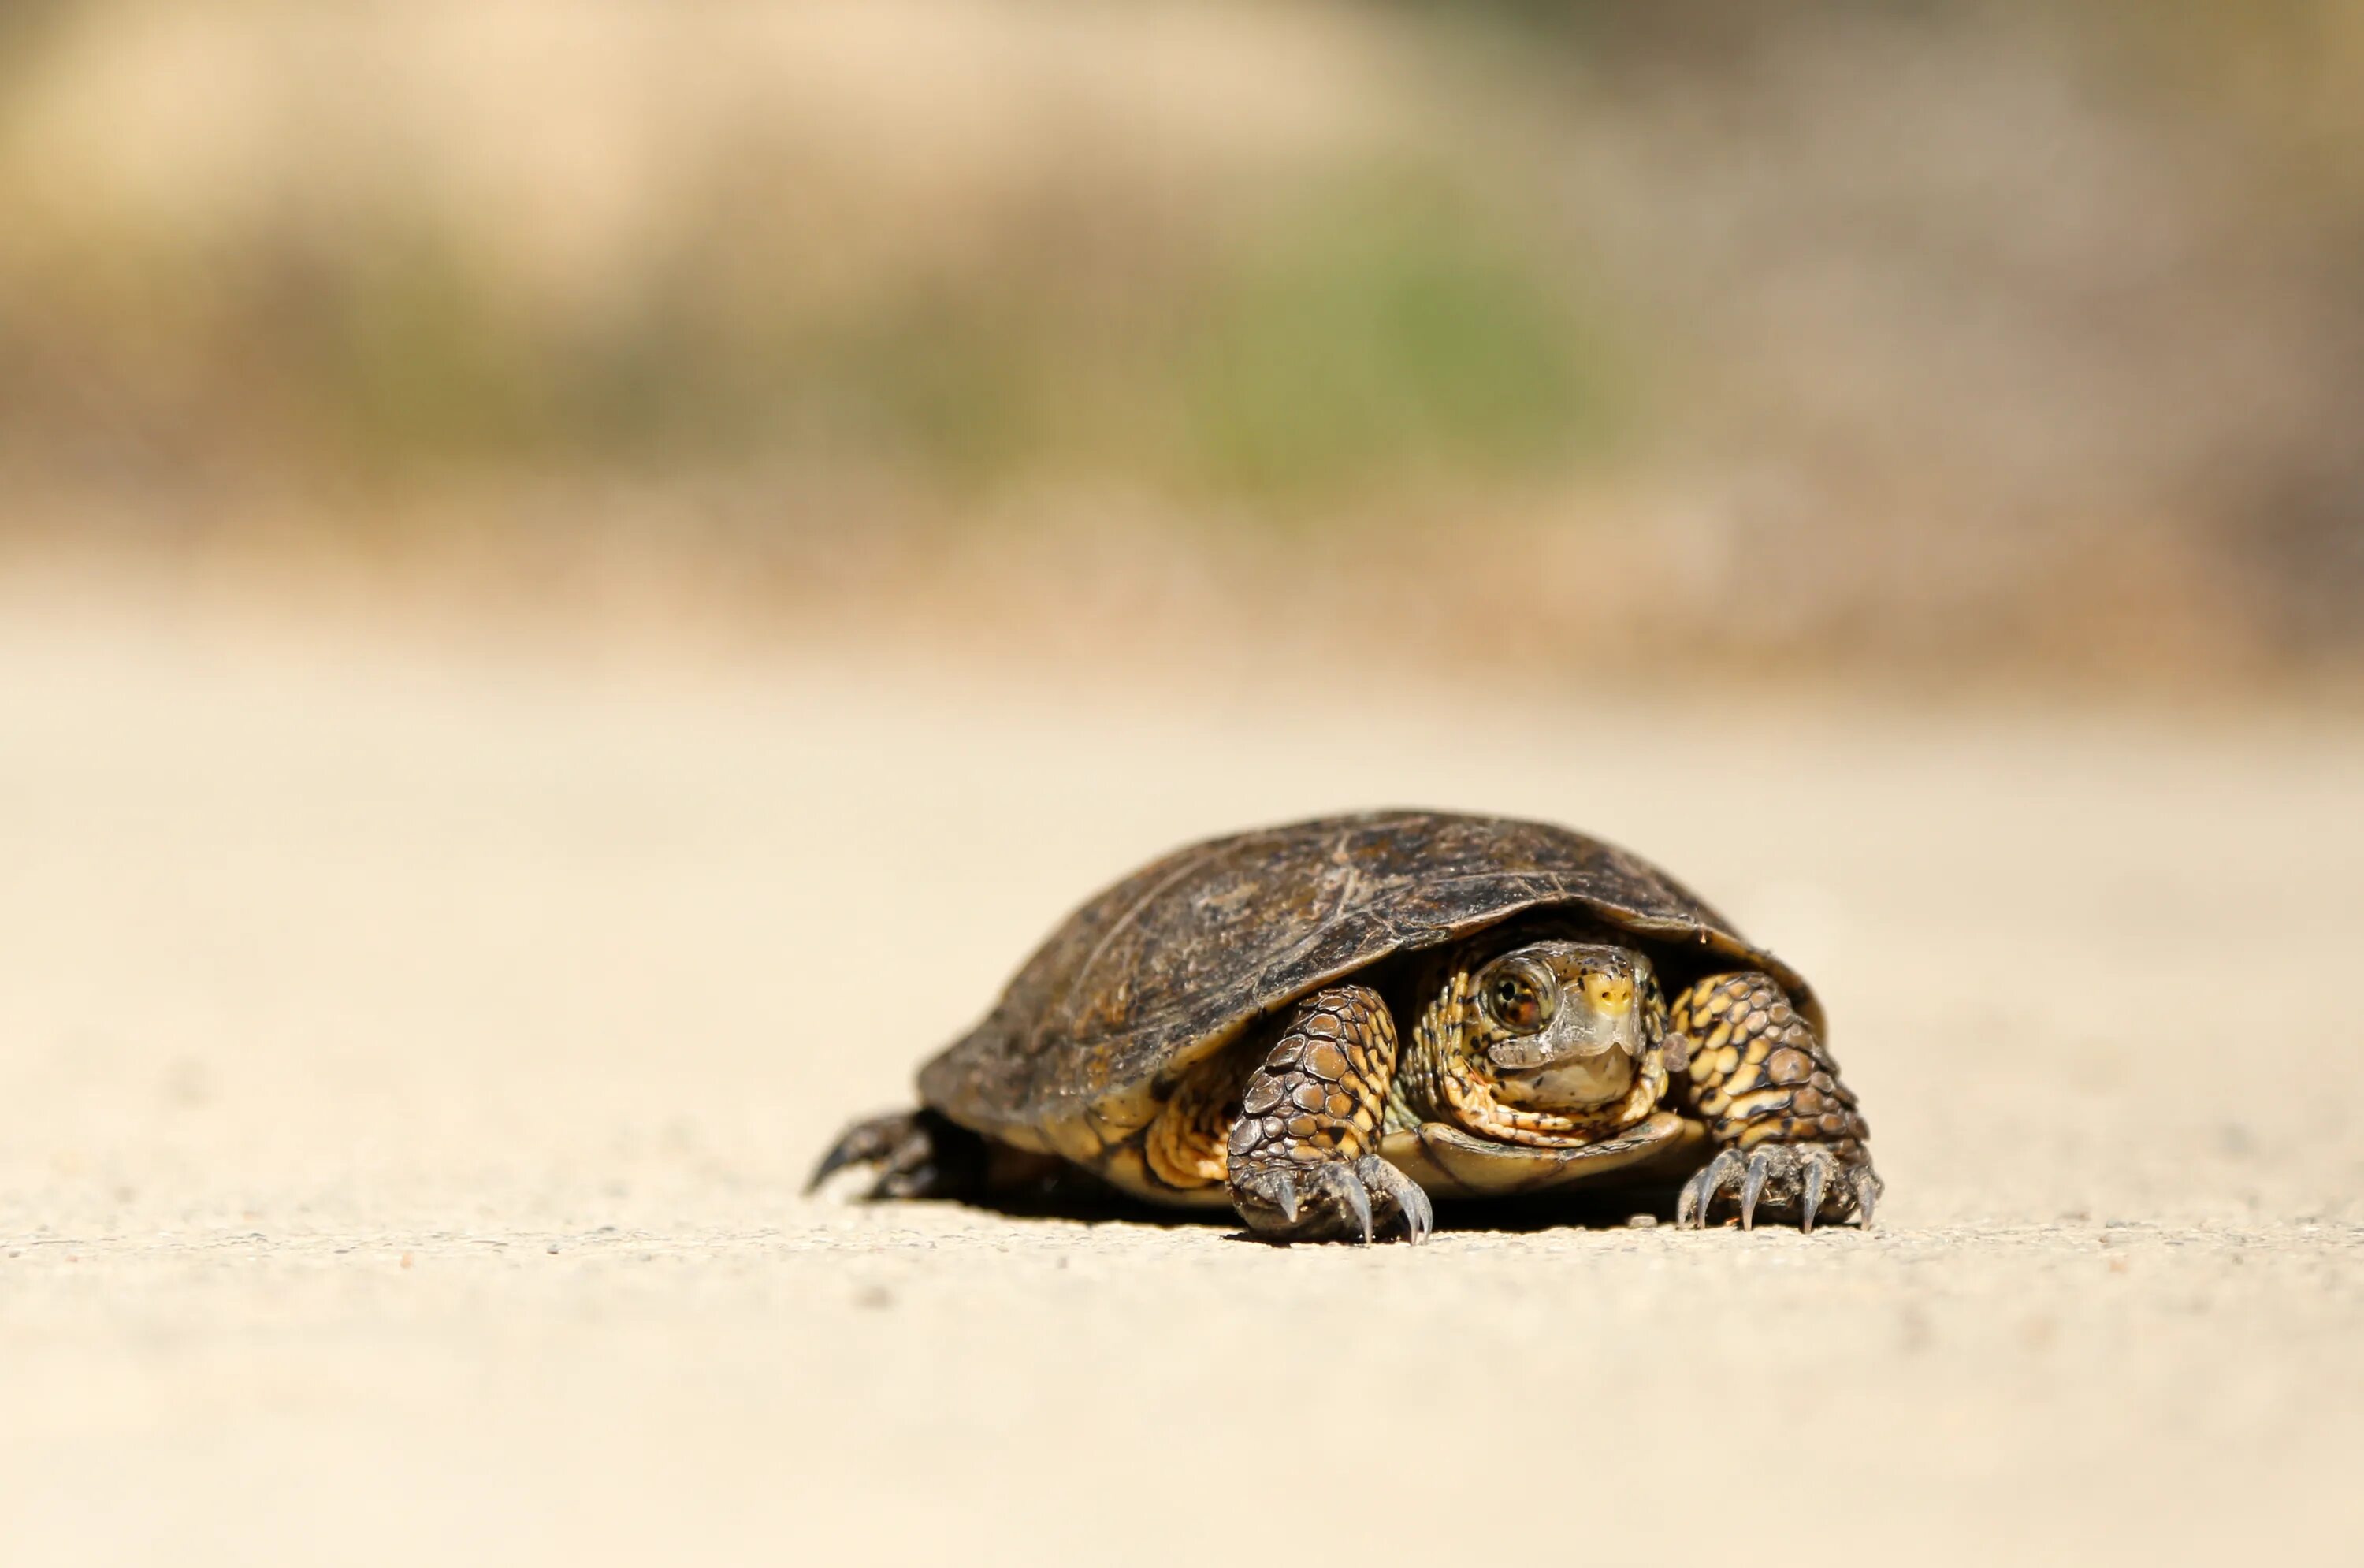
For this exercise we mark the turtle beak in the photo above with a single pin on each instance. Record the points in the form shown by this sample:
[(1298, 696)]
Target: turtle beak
[(1595, 1027)]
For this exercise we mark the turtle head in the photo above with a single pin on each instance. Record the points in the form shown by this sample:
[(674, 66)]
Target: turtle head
[(1565, 1024)]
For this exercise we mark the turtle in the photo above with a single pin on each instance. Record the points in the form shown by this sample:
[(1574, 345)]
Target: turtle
[(1321, 1025)]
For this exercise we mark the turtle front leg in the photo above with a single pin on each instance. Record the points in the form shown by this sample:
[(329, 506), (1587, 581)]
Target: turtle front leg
[(1791, 1138), (1302, 1162)]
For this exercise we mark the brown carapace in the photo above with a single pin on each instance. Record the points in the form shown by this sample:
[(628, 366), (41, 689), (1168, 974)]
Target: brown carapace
[(1322, 1026)]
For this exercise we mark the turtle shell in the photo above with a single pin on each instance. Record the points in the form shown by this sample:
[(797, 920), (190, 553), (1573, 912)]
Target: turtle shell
[(1169, 965)]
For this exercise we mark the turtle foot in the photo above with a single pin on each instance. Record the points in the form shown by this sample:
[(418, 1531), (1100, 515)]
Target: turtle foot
[(916, 1154), (1802, 1181), (1333, 1200)]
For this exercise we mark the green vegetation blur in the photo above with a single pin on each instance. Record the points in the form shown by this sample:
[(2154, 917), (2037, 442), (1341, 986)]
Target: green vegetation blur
[(1948, 330)]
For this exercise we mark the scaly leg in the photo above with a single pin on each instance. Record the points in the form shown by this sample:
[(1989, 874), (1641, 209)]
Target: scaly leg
[(1302, 1165), (1789, 1131)]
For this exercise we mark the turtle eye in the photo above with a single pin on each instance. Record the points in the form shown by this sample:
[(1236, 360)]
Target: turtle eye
[(1517, 994)]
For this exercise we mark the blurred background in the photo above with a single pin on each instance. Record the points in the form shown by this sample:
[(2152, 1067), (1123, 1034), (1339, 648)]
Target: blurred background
[(1961, 343)]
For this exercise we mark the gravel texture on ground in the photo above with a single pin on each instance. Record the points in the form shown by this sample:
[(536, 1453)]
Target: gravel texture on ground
[(410, 1057)]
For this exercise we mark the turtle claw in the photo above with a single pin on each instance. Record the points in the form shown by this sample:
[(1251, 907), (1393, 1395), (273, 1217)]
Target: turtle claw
[(1752, 1187), (1810, 1196), (1699, 1193), (1267, 1201), (1411, 1200), (1867, 1188), (916, 1154), (1809, 1179), (1332, 1201), (885, 1142), (1399, 1195), (1285, 1199), (1342, 1188)]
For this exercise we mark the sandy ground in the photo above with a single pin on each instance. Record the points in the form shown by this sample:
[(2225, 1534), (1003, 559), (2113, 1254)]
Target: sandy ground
[(409, 1059)]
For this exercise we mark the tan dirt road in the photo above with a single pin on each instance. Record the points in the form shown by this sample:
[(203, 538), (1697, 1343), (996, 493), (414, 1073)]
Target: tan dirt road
[(409, 1059)]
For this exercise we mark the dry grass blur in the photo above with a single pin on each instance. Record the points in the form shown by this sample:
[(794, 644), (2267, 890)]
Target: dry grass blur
[(1962, 340)]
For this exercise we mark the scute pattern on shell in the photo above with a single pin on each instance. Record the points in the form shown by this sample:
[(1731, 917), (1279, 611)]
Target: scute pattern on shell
[(1172, 962)]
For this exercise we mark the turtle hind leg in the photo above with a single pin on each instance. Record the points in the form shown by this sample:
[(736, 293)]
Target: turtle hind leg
[(915, 1153), (1792, 1141), (1303, 1163)]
